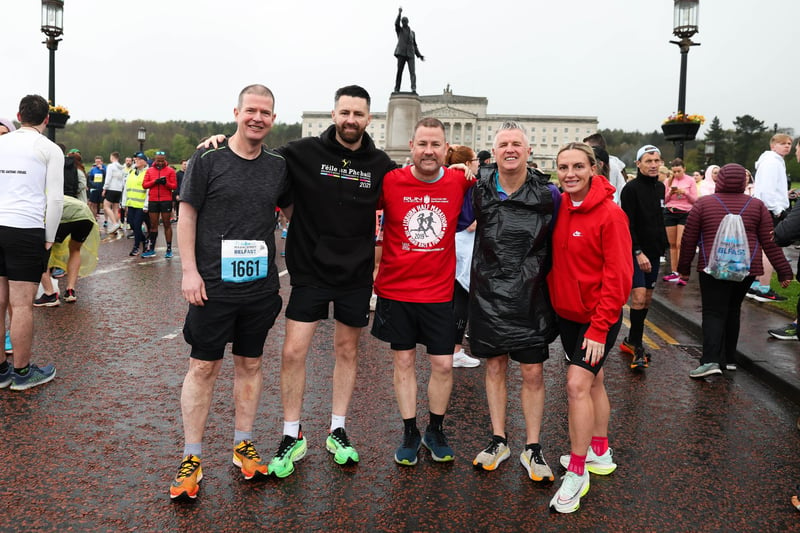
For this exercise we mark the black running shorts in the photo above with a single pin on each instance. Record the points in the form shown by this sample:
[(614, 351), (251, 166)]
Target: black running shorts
[(310, 304), (404, 325), (23, 256), (246, 324)]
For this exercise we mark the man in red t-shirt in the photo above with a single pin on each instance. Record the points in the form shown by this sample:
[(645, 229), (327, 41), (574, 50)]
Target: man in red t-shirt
[(421, 204)]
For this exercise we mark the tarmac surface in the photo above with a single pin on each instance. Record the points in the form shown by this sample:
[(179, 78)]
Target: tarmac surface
[(95, 449), (777, 362)]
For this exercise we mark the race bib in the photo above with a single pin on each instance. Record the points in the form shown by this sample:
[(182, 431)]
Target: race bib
[(244, 260), (98, 177)]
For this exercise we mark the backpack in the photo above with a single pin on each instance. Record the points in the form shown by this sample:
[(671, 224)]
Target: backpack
[(70, 177), (731, 256)]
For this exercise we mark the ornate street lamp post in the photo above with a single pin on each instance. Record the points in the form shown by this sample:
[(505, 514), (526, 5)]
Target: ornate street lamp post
[(53, 27), (141, 136), (709, 151), (685, 17)]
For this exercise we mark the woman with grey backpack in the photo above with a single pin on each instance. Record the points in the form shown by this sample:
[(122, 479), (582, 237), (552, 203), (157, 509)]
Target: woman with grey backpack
[(723, 282)]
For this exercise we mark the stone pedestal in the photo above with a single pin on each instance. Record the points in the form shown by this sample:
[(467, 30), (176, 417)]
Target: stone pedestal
[(401, 117)]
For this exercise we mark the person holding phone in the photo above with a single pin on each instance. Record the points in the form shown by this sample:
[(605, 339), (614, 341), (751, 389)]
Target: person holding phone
[(680, 196)]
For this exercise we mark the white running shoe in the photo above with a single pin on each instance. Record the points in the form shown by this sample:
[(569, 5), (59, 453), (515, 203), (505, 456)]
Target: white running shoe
[(462, 360), (573, 488)]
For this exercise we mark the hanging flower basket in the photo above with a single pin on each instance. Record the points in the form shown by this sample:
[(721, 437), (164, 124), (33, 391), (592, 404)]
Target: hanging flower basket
[(682, 127), (59, 115), (680, 131), (58, 120)]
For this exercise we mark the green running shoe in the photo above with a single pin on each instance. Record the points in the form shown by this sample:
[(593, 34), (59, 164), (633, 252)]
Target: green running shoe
[(290, 451), (339, 445)]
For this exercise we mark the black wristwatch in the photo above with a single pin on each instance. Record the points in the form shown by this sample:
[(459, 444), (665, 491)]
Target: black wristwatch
[(637, 253)]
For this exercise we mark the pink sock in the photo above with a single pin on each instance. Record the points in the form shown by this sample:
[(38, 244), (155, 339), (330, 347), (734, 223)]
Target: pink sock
[(577, 464), (599, 445)]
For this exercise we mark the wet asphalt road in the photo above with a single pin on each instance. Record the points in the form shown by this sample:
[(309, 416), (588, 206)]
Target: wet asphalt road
[(95, 449)]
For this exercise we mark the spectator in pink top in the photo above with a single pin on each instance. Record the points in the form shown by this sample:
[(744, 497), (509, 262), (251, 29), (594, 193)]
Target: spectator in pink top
[(679, 197)]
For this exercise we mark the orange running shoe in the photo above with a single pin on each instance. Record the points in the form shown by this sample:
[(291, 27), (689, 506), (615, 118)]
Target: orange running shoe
[(186, 482), (246, 457), (627, 347)]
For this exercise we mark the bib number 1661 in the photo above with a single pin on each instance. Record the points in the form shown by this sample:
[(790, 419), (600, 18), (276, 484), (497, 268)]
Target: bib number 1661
[(246, 269)]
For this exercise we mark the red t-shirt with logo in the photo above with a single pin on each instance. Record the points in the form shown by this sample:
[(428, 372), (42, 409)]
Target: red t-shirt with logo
[(419, 225)]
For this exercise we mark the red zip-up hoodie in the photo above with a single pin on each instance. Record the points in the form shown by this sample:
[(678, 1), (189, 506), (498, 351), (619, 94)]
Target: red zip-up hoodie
[(592, 270), (159, 192)]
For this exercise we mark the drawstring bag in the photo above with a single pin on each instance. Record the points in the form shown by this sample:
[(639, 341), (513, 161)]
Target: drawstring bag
[(730, 259)]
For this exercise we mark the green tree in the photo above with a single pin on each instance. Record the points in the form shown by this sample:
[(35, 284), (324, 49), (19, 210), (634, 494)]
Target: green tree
[(721, 143), (751, 138), (181, 148)]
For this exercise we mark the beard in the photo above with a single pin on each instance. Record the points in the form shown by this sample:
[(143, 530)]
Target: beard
[(349, 135)]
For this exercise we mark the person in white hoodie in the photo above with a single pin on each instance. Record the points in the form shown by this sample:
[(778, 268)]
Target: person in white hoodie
[(112, 192), (771, 187)]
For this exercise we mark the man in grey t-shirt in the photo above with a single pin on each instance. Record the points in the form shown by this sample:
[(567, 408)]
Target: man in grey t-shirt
[(229, 279)]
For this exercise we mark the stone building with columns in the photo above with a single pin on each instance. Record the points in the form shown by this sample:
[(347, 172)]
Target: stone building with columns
[(466, 122)]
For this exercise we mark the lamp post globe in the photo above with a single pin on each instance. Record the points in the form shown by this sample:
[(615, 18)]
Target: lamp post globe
[(685, 26), (141, 136), (685, 17), (53, 28)]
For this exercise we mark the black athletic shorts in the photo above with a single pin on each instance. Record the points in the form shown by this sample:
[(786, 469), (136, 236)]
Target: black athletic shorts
[(160, 207), (95, 196), (309, 304), (113, 197), (405, 324), (642, 279), (675, 218), (246, 324), (532, 355), (572, 338), (78, 230), (23, 256)]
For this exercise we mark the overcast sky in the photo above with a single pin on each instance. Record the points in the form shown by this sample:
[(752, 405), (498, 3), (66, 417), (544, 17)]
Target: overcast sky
[(188, 60)]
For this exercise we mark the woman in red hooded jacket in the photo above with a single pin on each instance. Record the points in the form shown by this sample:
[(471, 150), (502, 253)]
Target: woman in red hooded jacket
[(589, 283)]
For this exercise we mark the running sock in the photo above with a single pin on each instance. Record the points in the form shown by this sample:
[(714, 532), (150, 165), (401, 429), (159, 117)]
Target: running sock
[(577, 464), (436, 421), (22, 371), (4, 366), (195, 448), (291, 428), (410, 425), (239, 436), (637, 326), (756, 286), (599, 445), (337, 422), (535, 446)]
